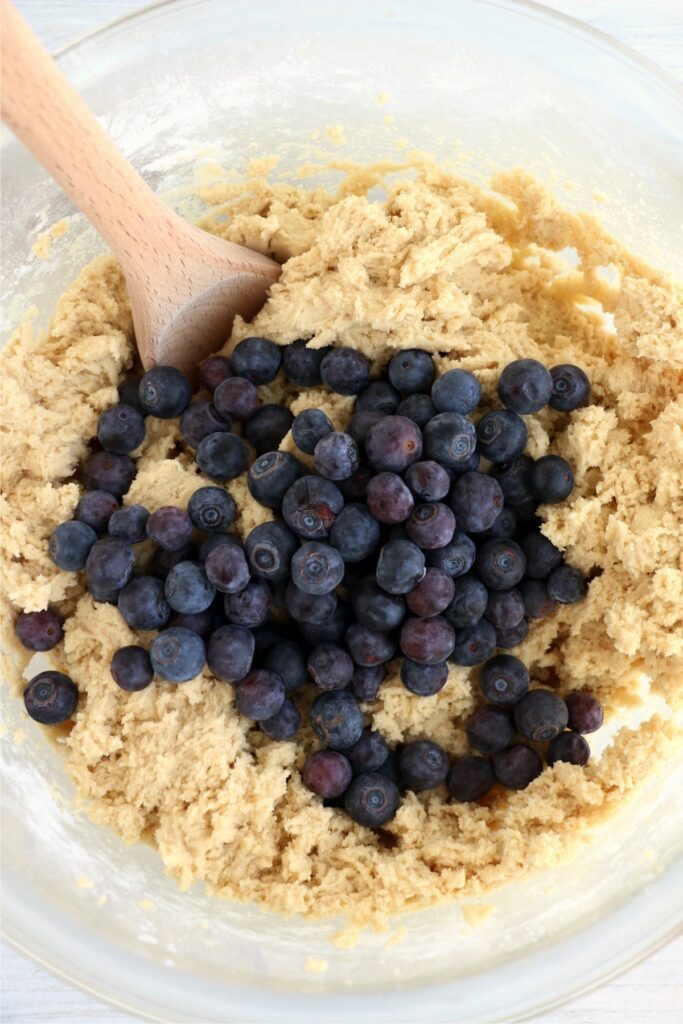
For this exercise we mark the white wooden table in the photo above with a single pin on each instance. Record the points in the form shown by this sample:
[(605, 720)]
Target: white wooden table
[(652, 992)]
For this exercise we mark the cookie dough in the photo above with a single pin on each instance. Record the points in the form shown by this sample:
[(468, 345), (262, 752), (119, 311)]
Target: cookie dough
[(478, 277)]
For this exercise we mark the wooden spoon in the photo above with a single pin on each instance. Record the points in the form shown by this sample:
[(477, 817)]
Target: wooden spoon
[(185, 285)]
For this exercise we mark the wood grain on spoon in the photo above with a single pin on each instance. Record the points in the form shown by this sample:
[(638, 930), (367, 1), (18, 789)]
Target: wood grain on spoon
[(185, 285)]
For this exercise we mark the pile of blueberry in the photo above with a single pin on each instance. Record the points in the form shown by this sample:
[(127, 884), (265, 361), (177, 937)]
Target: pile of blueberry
[(398, 542)]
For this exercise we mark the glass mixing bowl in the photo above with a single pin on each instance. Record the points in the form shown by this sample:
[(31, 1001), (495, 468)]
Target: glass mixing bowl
[(195, 83)]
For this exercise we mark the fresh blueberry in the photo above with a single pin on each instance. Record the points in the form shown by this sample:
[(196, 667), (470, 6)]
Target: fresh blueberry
[(142, 603), (504, 608), (309, 427), (552, 479), (423, 680), (266, 636), (107, 471), (129, 523), (187, 588), (501, 435), (400, 566), (375, 608), (456, 391), (379, 396), (470, 465), (257, 359), (514, 478), (330, 666), (270, 477), (369, 753), (508, 638), (211, 509), (51, 698), (310, 505), (428, 480), (199, 420), (38, 631), (500, 564), (470, 778), (331, 631), (70, 545), (366, 681), (361, 423), (432, 595), (203, 623), (431, 525), (327, 773), (95, 509), (571, 387), (527, 516), (490, 728), (226, 568), (418, 408), (538, 603), (312, 608), (541, 555), (455, 558), (129, 393), (260, 695), (568, 747), (235, 399), (423, 765), (517, 766), (103, 594), (121, 429), (389, 500), (222, 456), (468, 604), (541, 715), (251, 606), (393, 443), (525, 386), (131, 668), (504, 525), (504, 680), (164, 392), (367, 646), (474, 644), (411, 370), (317, 568), (585, 712), (355, 533), (477, 501), (450, 439), (216, 540), (336, 456), (356, 487), (269, 549), (427, 641), (336, 719), (267, 427), (372, 799), (229, 653), (170, 528), (177, 655), (345, 371), (284, 724), (213, 371), (567, 585), (289, 661), (302, 364), (110, 563)]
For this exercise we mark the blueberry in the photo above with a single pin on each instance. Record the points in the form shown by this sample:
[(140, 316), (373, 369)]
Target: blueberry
[(418, 408), (423, 765), (129, 393), (423, 680), (95, 509), (257, 359), (269, 548), (235, 399), (571, 387), (427, 641), (538, 603), (567, 585), (312, 608), (330, 666), (310, 505), (212, 542), (470, 778), (375, 608), (411, 370), (504, 525), (289, 661), (455, 558), (107, 471), (336, 719), (450, 440), (541, 555), (490, 728), (110, 563), (222, 456), (336, 456), (393, 443), (504, 680), (361, 423), (585, 712), (456, 391), (552, 479), (501, 436), (103, 594), (226, 568), (211, 509), (389, 500), (142, 603), (121, 429), (309, 427), (70, 545), (356, 487), (251, 606), (470, 465), (267, 427), (129, 523), (345, 371), (514, 478), (170, 528), (468, 604), (525, 386), (229, 653), (187, 588), (431, 525), (131, 668), (428, 480), (260, 695), (177, 655), (164, 392), (270, 477), (568, 747), (379, 396), (507, 638), (284, 724), (327, 773), (199, 420), (51, 698), (477, 501), (474, 644), (213, 371), (400, 566), (355, 533), (331, 631), (203, 623), (541, 715), (366, 681), (38, 631), (369, 753), (302, 364), (504, 608), (526, 514), (517, 766), (432, 595), (500, 564), (317, 568), (367, 646), (372, 799)]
